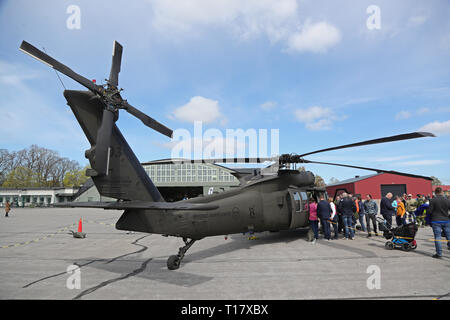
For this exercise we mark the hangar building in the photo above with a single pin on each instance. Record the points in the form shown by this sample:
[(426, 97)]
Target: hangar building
[(379, 184)]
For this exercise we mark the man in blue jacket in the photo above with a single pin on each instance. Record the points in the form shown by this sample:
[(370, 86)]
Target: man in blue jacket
[(324, 214), (347, 207), (386, 209)]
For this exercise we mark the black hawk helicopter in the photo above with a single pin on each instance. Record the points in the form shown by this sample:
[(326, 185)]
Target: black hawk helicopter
[(274, 199)]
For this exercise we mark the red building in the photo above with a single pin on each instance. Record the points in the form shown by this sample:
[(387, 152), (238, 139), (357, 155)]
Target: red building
[(379, 184)]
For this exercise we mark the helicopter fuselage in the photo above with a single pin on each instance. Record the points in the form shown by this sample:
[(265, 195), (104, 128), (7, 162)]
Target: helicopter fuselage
[(269, 203)]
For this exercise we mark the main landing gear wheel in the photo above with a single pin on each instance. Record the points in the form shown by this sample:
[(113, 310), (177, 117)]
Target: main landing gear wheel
[(173, 263)]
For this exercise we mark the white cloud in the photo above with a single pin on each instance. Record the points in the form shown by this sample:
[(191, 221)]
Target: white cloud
[(317, 37), (423, 111), (277, 20), (244, 19), (12, 74), (392, 159), (403, 115), (436, 127), (268, 105), (417, 20), (29, 116), (317, 118), (198, 109), (422, 163)]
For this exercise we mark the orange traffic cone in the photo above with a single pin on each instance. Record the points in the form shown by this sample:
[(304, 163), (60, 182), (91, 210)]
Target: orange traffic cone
[(80, 226)]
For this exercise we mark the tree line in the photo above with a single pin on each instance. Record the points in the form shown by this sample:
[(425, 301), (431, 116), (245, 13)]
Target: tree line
[(39, 167)]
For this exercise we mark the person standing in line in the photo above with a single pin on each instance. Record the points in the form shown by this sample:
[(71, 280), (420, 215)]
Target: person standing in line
[(334, 218), (7, 208), (347, 208), (410, 206), (404, 198), (440, 221), (313, 221), (371, 210), (340, 223), (324, 214), (362, 214), (386, 209), (400, 211), (355, 212)]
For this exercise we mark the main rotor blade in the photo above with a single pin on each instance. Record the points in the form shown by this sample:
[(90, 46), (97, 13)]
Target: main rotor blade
[(362, 168), (399, 137), (43, 57), (103, 143), (148, 121), (115, 65), (215, 160)]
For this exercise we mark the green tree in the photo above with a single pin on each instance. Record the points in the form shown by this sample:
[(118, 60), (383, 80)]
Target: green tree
[(21, 177), (436, 181), (75, 178), (319, 182)]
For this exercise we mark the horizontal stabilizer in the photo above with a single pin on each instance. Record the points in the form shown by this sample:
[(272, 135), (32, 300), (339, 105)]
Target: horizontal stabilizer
[(122, 205)]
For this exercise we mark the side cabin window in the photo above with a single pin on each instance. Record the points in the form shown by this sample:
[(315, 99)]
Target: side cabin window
[(297, 201), (304, 197)]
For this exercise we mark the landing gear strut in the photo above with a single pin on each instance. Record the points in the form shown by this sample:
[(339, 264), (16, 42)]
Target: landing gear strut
[(173, 263)]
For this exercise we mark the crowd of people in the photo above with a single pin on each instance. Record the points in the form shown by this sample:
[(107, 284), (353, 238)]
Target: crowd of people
[(341, 215)]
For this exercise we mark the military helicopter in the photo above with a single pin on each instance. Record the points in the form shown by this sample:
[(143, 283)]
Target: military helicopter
[(272, 199)]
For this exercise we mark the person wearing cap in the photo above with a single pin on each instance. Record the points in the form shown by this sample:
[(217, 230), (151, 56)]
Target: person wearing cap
[(410, 206)]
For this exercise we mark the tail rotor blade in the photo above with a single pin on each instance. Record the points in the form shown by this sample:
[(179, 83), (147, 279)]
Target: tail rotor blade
[(148, 121), (399, 137), (116, 62), (43, 57), (103, 143)]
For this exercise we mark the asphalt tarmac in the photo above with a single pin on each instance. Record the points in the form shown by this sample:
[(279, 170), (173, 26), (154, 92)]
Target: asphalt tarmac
[(37, 250)]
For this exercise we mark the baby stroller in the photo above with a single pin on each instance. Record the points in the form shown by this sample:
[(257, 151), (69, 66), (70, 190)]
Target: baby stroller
[(399, 237)]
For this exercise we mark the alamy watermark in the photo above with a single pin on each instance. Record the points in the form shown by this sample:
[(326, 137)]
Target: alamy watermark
[(373, 22), (73, 22), (235, 143), (74, 279), (374, 280)]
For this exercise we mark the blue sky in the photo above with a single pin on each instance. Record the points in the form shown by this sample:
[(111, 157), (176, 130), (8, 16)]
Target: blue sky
[(311, 69)]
